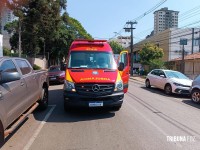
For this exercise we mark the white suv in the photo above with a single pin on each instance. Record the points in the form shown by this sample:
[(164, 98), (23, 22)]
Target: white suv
[(168, 80)]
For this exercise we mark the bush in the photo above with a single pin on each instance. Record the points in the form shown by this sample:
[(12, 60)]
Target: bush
[(36, 67), (156, 64), (6, 52)]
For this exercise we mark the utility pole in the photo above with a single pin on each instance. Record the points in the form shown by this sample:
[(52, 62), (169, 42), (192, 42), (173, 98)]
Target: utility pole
[(44, 49), (199, 40), (183, 61), (131, 30), (20, 30), (183, 42), (192, 40)]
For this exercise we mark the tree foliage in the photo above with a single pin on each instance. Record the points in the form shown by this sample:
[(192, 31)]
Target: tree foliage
[(6, 51), (149, 53), (116, 47), (155, 64), (44, 28)]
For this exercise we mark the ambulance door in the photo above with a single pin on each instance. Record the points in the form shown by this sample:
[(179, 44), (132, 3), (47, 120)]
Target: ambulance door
[(124, 68)]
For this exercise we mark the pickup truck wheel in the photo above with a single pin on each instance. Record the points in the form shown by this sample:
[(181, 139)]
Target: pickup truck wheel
[(43, 102), (1, 135)]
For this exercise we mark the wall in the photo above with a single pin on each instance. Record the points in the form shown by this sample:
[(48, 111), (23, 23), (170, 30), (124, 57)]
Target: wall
[(6, 41), (176, 48), (169, 41), (38, 61), (192, 68), (162, 39)]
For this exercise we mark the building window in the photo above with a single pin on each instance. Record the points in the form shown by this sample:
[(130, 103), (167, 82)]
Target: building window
[(196, 42)]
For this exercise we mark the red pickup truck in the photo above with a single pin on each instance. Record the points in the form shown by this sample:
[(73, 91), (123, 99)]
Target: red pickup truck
[(21, 90)]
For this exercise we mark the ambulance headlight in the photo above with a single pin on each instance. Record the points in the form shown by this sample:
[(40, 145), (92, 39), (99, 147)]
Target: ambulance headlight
[(119, 86), (69, 86)]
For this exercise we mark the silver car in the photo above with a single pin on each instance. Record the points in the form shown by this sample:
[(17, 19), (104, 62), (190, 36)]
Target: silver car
[(168, 80), (195, 90)]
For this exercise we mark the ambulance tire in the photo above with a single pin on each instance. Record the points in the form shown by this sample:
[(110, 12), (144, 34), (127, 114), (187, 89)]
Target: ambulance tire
[(67, 108)]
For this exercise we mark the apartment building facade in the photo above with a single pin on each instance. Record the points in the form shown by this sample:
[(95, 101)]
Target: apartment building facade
[(169, 41), (124, 41), (164, 19), (6, 16)]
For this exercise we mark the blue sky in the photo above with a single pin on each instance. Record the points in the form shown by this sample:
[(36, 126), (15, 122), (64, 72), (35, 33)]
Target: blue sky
[(101, 18)]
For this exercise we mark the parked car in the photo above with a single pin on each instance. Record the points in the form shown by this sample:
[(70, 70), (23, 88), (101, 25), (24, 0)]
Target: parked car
[(21, 90), (195, 90), (168, 80), (56, 74)]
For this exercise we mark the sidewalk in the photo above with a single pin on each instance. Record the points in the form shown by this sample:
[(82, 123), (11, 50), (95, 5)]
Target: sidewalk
[(138, 78)]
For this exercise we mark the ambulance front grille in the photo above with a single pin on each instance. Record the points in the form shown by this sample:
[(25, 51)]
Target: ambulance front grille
[(93, 89)]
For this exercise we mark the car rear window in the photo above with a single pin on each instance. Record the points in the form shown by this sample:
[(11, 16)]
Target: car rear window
[(54, 69), (197, 78)]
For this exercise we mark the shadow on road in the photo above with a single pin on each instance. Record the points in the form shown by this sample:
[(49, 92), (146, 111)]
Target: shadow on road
[(191, 103), (161, 92), (55, 83), (77, 115)]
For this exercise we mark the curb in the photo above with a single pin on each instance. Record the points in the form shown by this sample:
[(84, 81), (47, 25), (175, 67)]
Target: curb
[(140, 80)]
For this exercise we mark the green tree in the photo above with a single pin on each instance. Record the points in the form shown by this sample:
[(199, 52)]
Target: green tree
[(6, 52), (39, 20), (149, 53), (69, 30), (116, 47), (12, 27), (44, 29), (156, 63)]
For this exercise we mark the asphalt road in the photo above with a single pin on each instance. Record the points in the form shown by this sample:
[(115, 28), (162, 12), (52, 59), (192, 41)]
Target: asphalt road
[(148, 120)]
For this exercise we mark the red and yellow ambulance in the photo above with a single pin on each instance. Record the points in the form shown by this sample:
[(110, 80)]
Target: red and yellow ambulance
[(93, 79)]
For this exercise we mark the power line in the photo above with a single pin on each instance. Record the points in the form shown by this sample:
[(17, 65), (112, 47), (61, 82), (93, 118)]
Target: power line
[(188, 14), (144, 14), (149, 11), (178, 29)]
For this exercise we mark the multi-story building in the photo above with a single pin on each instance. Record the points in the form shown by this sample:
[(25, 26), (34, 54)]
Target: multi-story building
[(170, 41), (124, 41), (164, 19), (6, 16)]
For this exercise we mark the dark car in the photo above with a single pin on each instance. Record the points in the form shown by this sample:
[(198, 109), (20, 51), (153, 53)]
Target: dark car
[(195, 90), (56, 74)]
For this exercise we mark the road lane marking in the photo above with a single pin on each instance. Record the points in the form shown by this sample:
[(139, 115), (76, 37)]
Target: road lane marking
[(30, 142), (152, 123)]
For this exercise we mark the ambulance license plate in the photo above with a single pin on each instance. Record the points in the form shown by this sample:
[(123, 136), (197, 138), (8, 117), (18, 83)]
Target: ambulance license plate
[(96, 104)]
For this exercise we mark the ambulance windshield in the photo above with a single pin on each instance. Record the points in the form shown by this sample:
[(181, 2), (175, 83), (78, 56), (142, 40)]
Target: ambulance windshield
[(92, 60)]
